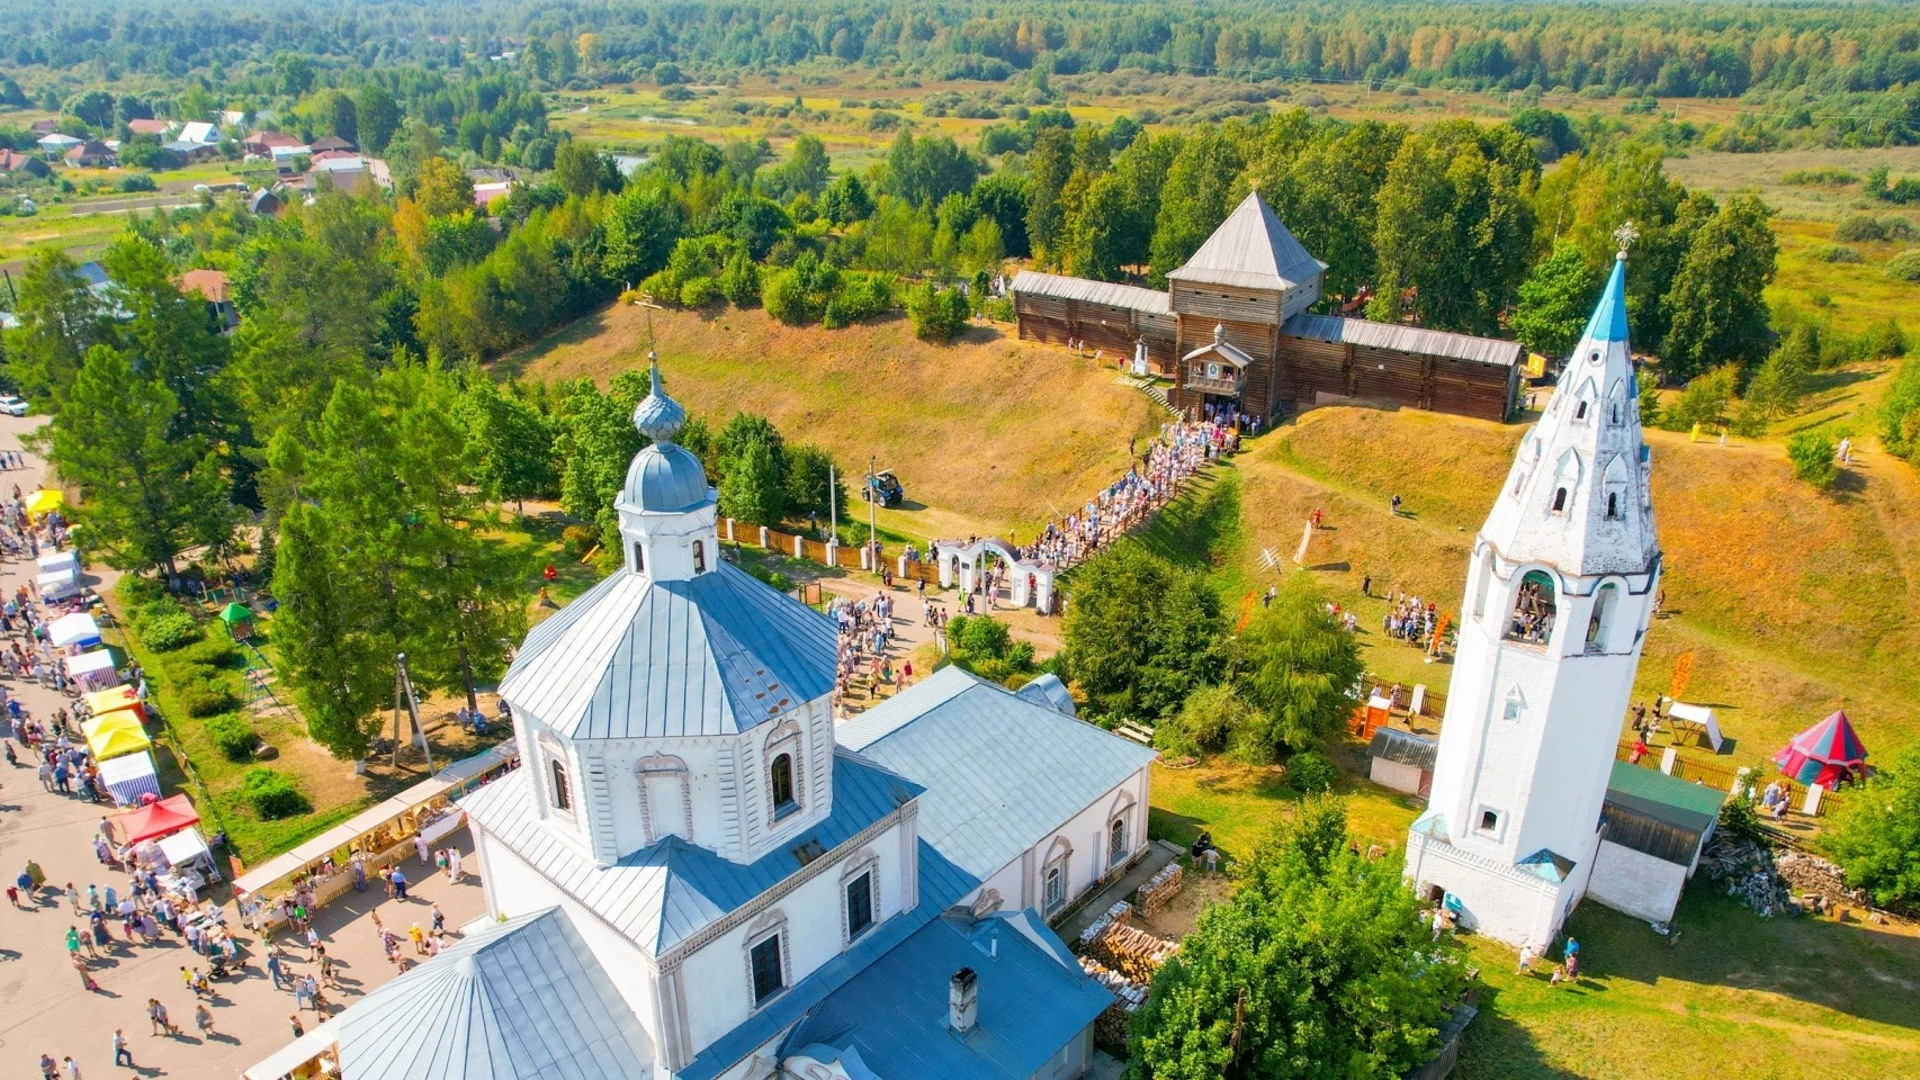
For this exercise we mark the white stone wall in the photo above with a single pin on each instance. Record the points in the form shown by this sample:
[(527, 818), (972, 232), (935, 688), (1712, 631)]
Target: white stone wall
[(1495, 900), (1635, 883), (1394, 775), (1021, 883)]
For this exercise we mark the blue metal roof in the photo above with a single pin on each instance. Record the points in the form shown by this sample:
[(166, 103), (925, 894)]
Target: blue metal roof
[(661, 895), (523, 999), (635, 658), (1001, 772), (1609, 321), (942, 884), (1034, 999)]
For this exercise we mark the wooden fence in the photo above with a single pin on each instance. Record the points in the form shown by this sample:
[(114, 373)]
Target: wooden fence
[(1723, 777)]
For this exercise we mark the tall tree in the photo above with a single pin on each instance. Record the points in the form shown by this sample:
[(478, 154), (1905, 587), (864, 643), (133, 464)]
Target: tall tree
[(594, 443), (333, 656), (340, 116), (1454, 230), (1716, 311), (377, 117), (1050, 165), (1318, 965), (512, 443), (1297, 666), (1202, 185), (151, 492), (60, 319), (1556, 300), (1140, 634)]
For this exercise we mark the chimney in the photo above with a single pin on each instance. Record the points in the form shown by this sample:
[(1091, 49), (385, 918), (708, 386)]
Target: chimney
[(963, 1001)]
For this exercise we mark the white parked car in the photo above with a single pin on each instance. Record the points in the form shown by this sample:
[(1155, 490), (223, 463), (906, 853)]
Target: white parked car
[(13, 406)]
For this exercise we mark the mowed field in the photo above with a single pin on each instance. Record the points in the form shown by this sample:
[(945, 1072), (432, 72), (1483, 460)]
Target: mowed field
[(988, 435)]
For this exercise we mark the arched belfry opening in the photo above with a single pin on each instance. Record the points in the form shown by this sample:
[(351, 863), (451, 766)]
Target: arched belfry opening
[(1533, 609)]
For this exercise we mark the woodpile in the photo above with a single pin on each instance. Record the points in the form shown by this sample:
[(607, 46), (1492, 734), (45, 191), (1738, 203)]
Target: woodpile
[(1120, 912), (1746, 868), (1160, 890), (1110, 1027), (1131, 951)]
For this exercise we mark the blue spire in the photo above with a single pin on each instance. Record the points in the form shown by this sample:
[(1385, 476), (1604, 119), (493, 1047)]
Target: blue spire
[(1609, 322)]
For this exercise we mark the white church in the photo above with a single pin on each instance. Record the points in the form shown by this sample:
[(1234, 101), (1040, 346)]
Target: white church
[(1529, 810), (698, 877)]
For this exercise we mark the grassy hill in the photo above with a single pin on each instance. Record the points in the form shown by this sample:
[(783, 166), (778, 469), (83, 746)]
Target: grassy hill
[(1793, 602), (987, 434)]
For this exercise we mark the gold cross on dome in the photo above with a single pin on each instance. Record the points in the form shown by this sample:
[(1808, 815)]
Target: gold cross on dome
[(1626, 234)]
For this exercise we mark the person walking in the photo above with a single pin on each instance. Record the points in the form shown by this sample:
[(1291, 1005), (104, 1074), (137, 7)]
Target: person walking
[(203, 1019), (294, 1022), (73, 1068), (275, 970), (157, 1013), (399, 883), (121, 1055)]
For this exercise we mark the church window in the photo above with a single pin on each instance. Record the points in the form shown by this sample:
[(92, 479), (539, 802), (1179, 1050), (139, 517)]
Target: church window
[(768, 972), (1580, 411), (1515, 705), (699, 557), (1613, 506), (1485, 583), (1598, 626), (1533, 609), (639, 559), (1560, 500), (562, 795), (1489, 821), (781, 779), (859, 905), (1053, 878), (1056, 888), (1117, 843)]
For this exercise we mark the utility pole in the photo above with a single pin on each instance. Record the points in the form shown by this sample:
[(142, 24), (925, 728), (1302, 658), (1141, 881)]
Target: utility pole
[(403, 698), (833, 504), (873, 531)]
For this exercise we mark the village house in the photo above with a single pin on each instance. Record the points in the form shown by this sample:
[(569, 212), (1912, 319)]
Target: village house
[(92, 154)]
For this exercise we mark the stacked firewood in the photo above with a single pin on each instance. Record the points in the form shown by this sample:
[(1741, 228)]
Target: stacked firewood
[(1160, 890), (1110, 1027), (1120, 912), (1818, 883), (1745, 868), (1131, 951)]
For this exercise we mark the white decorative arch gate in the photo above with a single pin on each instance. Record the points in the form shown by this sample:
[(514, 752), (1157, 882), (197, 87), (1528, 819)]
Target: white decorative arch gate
[(959, 563)]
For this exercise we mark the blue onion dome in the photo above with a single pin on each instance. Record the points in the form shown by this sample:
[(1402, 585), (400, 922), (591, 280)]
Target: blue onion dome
[(658, 416)]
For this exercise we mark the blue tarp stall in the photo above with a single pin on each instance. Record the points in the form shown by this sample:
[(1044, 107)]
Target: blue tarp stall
[(130, 776)]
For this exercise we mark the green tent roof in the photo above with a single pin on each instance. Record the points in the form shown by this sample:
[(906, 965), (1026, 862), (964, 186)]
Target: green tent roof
[(236, 613), (1664, 798)]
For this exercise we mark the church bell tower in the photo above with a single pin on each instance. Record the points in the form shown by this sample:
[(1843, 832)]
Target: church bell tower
[(1559, 596)]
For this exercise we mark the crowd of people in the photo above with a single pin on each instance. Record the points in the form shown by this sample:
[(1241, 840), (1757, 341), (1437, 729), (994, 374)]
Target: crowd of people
[(1410, 619), (866, 636), (1153, 478)]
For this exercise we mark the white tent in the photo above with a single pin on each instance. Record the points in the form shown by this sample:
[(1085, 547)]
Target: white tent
[(130, 776), (183, 847), (78, 629), (58, 561), (94, 670), (1695, 720), (59, 584)]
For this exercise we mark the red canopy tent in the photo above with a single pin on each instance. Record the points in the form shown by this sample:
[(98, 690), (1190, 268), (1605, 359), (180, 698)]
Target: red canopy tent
[(1824, 754), (169, 815)]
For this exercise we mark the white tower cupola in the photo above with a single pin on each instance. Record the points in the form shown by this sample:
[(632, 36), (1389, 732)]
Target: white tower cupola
[(667, 511), (1559, 595)]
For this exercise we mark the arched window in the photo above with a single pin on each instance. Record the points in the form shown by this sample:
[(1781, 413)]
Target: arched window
[(780, 782), (1613, 505), (1533, 609), (1601, 623), (562, 794), (1560, 500), (666, 801), (1116, 843), (1485, 583), (1054, 877), (699, 557), (639, 559), (1580, 411)]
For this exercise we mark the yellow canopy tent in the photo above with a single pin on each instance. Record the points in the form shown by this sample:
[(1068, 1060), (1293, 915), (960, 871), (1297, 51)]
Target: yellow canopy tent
[(44, 500), (102, 702), (115, 734)]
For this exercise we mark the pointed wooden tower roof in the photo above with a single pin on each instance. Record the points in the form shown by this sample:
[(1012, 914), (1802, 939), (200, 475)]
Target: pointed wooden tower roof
[(1251, 250)]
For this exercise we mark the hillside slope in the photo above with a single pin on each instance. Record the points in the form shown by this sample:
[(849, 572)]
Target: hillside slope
[(987, 434), (1793, 602)]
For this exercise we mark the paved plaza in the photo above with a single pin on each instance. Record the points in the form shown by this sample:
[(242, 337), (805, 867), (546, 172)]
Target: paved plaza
[(44, 1008)]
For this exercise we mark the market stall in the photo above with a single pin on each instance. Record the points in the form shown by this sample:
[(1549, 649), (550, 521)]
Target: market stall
[(44, 502), (113, 699), (58, 585), (169, 815), (57, 561), (77, 632), (130, 777), (115, 734), (1825, 754), (1695, 724), (94, 671)]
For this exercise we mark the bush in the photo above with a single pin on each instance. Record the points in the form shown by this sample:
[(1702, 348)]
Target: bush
[(1840, 253), (1738, 819), (1905, 266), (1898, 228), (698, 292), (580, 539), (1811, 453), (861, 296), (206, 694), (938, 314), (1860, 229), (138, 182), (172, 631), (233, 735), (272, 795), (215, 652), (740, 281), (1310, 773)]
